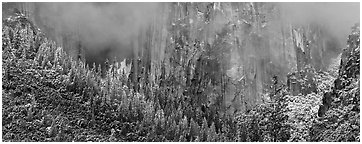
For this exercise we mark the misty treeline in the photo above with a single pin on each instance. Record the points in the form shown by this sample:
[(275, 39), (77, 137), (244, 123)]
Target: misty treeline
[(196, 72)]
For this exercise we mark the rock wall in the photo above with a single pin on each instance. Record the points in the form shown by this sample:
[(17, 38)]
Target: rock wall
[(248, 42)]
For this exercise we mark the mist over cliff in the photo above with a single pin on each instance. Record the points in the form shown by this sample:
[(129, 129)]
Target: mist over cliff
[(336, 17), (107, 30)]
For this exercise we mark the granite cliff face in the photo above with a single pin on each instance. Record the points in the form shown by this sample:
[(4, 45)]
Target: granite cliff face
[(241, 46), (252, 43)]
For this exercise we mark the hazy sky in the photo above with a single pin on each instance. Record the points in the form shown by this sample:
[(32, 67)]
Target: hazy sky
[(339, 17)]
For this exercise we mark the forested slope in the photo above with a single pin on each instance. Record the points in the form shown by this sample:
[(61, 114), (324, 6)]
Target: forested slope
[(49, 96), (340, 110)]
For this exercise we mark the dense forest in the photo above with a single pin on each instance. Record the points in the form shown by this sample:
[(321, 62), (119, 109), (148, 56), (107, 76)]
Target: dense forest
[(224, 72)]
